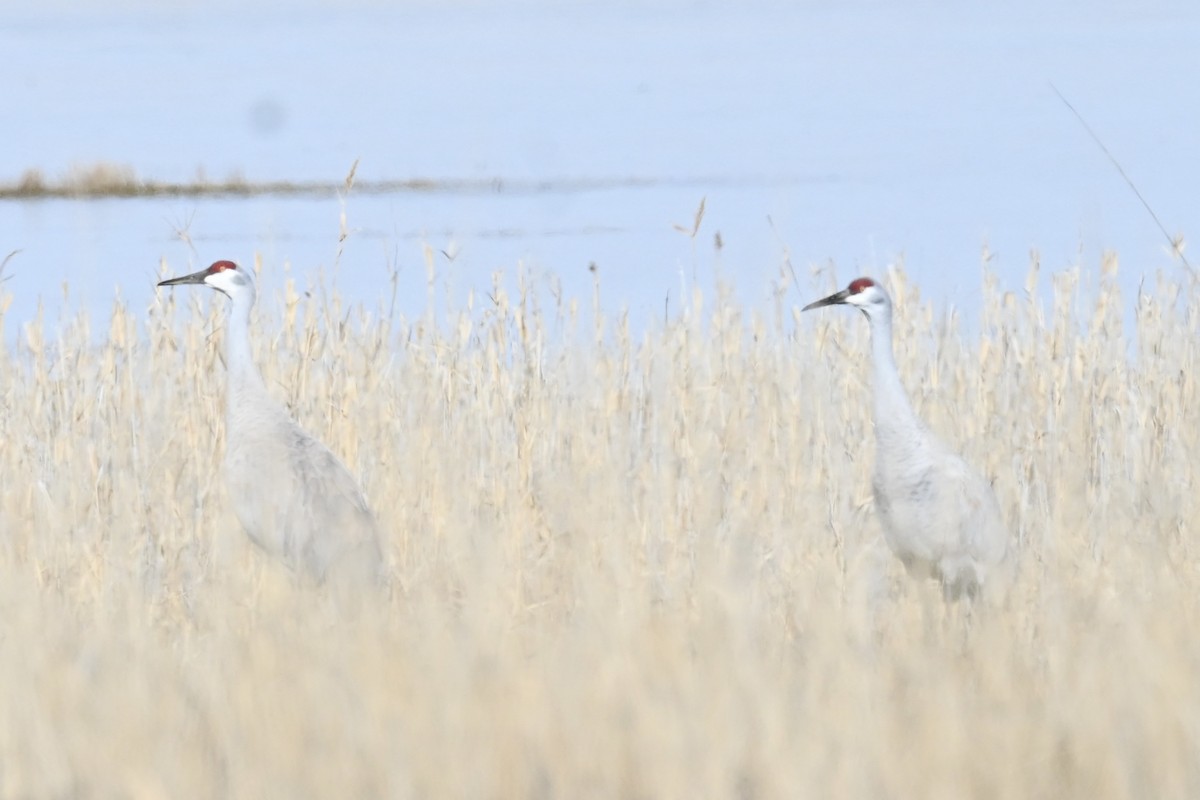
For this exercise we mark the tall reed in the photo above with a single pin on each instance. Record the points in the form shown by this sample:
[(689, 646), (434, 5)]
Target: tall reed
[(634, 560)]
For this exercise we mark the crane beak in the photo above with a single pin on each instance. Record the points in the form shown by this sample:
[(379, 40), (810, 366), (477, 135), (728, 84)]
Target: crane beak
[(833, 300), (195, 277)]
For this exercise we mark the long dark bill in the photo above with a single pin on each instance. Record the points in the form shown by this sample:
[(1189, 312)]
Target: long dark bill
[(832, 300), (195, 277)]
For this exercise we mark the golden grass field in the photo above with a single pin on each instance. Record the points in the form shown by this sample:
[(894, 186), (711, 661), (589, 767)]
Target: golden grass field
[(624, 566)]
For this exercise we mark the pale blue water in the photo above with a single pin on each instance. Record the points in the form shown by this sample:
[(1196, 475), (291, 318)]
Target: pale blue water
[(865, 132)]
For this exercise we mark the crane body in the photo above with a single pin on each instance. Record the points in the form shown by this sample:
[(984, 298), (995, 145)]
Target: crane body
[(290, 493), (940, 517)]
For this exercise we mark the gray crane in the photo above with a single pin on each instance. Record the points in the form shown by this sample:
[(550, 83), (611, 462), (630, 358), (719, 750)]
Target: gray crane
[(940, 516), (290, 493)]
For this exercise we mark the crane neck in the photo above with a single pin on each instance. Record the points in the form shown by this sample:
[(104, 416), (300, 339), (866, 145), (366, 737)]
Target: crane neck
[(239, 358), (896, 423)]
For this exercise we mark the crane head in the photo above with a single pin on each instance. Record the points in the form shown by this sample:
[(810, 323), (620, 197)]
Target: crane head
[(863, 293), (224, 276)]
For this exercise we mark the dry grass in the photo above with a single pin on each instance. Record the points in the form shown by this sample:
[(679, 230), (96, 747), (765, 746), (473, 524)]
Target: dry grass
[(104, 179), (641, 567)]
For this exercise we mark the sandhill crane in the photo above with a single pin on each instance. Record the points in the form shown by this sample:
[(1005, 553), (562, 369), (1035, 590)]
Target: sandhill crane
[(939, 515), (290, 493)]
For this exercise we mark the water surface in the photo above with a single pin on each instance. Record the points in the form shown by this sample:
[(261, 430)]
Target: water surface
[(852, 135)]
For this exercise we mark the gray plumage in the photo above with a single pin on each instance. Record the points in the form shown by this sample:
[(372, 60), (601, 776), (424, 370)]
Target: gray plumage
[(293, 497), (940, 516)]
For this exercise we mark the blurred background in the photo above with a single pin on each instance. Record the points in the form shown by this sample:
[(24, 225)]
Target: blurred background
[(551, 137)]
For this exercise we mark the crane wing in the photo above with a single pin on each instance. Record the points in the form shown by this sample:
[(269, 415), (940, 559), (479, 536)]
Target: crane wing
[(330, 518)]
